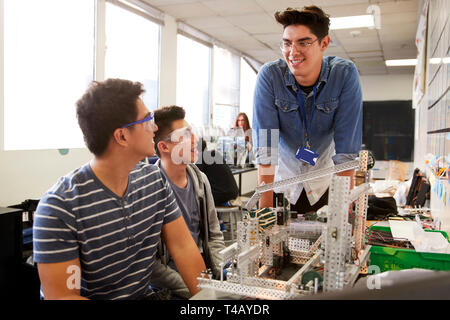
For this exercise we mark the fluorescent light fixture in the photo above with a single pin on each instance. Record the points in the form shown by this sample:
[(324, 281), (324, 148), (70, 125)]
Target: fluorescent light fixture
[(446, 60), (401, 62), (352, 22), (435, 60)]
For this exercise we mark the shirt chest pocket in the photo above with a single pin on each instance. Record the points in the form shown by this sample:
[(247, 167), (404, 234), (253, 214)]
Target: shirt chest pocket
[(324, 115), (288, 113)]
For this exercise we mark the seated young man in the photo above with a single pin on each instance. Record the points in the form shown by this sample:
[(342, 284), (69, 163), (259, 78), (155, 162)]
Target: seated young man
[(96, 231), (223, 185), (177, 148)]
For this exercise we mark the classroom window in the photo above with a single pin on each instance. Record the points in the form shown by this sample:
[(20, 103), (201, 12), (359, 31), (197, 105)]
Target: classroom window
[(193, 79), (226, 87), (132, 51), (248, 81), (48, 63)]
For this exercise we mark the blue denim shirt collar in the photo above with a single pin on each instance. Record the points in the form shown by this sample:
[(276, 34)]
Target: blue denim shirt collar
[(323, 76)]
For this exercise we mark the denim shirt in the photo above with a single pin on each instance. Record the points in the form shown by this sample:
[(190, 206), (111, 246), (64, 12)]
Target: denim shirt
[(336, 130)]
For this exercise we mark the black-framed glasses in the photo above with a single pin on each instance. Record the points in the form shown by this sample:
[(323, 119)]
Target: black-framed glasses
[(300, 45), (149, 122)]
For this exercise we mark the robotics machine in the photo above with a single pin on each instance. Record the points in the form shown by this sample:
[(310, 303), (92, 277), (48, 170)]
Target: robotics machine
[(276, 257)]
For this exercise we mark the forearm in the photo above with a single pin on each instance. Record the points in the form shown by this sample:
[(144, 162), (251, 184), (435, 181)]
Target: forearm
[(59, 284), (70, 297), (190, 264), (348, 173), (266, 174)]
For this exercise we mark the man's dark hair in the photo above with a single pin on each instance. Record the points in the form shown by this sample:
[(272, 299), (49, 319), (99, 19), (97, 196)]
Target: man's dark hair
[(164, 117), (311, 16), (103, 108)]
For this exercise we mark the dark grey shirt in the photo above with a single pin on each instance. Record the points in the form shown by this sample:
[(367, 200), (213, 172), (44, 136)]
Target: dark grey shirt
[(189, 209), (188, 204)]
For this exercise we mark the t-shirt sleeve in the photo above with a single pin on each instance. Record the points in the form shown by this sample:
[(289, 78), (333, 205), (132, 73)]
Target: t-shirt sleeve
[(172, 211), (54, 231)]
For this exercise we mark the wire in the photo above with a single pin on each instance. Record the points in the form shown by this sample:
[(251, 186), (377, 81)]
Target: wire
[(384, 238), (357, 257), (351, 212)]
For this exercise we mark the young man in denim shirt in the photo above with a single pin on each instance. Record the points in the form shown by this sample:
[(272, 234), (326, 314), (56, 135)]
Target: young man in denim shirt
[(305, 105)]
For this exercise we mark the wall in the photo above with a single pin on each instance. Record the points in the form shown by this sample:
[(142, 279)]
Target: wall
[(28, 174), (382, 88), (433, 125), (387, 87)]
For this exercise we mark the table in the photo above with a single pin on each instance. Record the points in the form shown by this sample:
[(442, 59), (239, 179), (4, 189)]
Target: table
[(210, 294)]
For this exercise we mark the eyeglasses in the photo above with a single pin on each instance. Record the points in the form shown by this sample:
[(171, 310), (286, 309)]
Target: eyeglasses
[(179, 135), (149, 123), (300, 45)]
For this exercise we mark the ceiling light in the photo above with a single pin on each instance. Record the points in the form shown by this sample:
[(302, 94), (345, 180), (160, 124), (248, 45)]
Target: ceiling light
[(435, 60), (352, 22), (401, 62), (445, 60)]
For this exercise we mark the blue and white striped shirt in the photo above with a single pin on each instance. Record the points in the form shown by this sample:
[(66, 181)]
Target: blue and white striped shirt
[(115, 238)]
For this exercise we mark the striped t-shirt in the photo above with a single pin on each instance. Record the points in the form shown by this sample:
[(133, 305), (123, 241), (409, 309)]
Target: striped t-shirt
[(115, 238)]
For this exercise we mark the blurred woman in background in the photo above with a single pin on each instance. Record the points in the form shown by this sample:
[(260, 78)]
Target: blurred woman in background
[(242, 122)]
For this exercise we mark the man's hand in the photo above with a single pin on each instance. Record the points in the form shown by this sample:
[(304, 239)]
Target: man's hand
[(184, 252)]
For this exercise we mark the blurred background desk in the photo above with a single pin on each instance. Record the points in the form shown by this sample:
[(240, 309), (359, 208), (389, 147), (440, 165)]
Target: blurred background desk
[(250, 181), (18, 280), (10, 251)]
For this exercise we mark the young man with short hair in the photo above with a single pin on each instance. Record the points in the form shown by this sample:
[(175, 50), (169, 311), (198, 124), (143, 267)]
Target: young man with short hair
[(315, 105), (177, 148), (96, 231)]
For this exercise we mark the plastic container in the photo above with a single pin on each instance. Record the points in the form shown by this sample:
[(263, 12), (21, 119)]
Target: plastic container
[(387, 258)]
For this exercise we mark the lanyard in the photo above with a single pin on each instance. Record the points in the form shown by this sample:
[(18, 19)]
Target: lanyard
[(301, 102)]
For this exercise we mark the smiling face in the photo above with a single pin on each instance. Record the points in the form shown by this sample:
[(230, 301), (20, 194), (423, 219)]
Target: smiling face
[(183, 145), (304, 63)]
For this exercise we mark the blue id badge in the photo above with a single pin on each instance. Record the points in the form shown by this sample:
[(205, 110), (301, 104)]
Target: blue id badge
[(307, 155)]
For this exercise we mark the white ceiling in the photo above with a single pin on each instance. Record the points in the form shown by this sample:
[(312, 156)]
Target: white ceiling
[(249, 26)]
